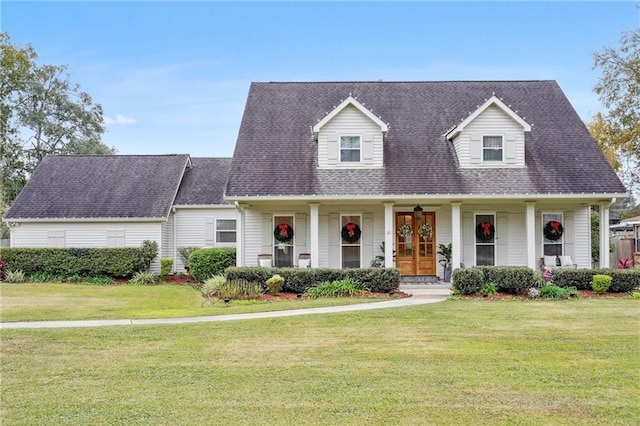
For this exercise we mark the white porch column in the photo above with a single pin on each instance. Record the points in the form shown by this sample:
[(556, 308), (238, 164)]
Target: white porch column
[(604, 234), (315, 234), (456, 236), (240, 235), (388, 235), (530, 223)]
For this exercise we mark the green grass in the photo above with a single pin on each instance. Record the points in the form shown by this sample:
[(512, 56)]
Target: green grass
[(456, 362), (39, 302)]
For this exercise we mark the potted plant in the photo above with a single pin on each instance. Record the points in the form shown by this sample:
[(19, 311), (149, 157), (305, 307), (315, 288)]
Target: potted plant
[(444, 250)]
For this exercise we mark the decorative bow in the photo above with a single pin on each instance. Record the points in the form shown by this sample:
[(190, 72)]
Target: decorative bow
[(555, 225), (350, 227), (486, 228), (283, 230)]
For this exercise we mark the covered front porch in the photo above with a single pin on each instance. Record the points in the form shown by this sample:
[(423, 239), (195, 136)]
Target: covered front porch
[(405, 233)]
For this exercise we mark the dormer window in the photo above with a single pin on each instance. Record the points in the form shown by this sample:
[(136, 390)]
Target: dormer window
[(349, 149), (492, 149)]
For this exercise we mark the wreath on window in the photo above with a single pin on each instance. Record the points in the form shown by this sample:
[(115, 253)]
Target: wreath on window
[(405, 231), (351, 233), (485, 232), (425, 231), (283, 232), (553, 230)]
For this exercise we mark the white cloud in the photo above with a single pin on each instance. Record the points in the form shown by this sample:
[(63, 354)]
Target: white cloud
[(120, 120)]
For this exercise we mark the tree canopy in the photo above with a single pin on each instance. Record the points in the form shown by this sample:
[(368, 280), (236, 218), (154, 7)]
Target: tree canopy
[(41, 112), (618, 131)]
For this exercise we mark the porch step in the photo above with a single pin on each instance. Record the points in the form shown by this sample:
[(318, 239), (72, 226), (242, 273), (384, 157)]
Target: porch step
[(422, 282), (418, 279)]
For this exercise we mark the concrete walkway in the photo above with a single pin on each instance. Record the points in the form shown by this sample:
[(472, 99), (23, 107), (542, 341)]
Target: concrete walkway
[(420, 295)]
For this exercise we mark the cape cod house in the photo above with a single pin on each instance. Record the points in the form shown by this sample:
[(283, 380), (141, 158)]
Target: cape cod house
[(505, 171), (323, 173)]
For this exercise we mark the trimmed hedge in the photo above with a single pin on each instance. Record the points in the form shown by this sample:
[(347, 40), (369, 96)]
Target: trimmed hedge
[(622, 280), (112, 262), (298, 280), (509, 279), (207, 262), (468, 280)]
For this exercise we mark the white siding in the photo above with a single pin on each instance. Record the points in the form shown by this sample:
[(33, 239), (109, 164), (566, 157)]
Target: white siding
[(168, 249), (195, 228), (582, 237), (443, 233), (350, 122), (495, 122), (517, 246), (88, 234)]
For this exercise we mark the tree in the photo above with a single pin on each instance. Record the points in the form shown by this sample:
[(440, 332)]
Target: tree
[(41, 112), (618, 132)]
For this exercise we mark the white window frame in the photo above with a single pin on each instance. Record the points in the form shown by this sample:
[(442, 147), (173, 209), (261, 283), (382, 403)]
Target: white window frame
[(342, 244), (340, 149), (502, 139), (476, 242), (637, 236), (216, 230), (561, 243)]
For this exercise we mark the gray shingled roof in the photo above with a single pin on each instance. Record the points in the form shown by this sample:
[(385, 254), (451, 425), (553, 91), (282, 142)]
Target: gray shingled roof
[(276, 155), (101, 186), (203, 183)]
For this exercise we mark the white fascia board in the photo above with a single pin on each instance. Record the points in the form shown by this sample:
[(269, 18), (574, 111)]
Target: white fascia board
[(204, 206), (350, 101), (591, 197), (88, 219), (493, 100)]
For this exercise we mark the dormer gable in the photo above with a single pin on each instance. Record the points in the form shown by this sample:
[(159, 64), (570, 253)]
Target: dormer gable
[(492, 136), (350, 136), (360, 107)]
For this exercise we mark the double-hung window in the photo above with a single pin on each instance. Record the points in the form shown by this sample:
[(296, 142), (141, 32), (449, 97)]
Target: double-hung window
[(351, 241), (551, 247), (349, 149), (225, 230), (492, 148), (485, 239)]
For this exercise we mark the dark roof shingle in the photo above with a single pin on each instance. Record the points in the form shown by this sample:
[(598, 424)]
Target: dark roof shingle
[(101, 186), (203, 183), (276, 155)]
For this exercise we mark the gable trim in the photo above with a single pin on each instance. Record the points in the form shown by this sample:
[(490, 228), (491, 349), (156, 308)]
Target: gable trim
[(493, 100), (350, 101)]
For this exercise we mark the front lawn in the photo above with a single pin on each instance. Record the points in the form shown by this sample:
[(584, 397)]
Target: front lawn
[(41, 302), (456, 362)]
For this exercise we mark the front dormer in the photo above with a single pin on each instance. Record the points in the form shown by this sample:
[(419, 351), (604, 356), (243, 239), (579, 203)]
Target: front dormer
[(493, 136), (350, 136)]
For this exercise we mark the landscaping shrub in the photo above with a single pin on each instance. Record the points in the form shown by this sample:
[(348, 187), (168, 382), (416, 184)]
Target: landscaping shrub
[(552, 291), (468, 280), (237, 289), (274, 284), (3, 268), (113, 262), (143, 278), (211, 285), (44, 277), (622, 280), (14, 276), (165, 267), (185, 253), (341, 288), (601, 283), (298, 280), (510, 279), (489, 289), (207, 262)]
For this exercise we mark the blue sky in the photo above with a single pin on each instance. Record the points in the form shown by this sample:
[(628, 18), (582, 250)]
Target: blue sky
[(173, 77)]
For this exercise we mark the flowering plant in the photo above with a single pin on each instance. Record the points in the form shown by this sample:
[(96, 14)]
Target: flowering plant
[(553, 230), (405, 231), (283, 232), (425, 231), (351, 233), (485, 232)]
